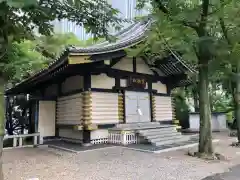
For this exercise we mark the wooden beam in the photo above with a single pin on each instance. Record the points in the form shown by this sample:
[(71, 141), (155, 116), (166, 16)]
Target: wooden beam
[(134, 63)]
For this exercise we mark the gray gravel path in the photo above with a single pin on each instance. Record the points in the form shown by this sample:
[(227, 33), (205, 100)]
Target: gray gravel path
[(112, 164)]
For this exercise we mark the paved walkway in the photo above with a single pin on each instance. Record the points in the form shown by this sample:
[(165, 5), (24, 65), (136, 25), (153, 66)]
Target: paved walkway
[(232, 174), (115, 163)]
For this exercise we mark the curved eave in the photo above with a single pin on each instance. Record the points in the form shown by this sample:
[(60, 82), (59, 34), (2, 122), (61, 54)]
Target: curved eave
[(125, 39)]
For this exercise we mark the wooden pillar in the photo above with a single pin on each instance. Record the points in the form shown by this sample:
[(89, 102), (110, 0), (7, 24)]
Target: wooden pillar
[(120, 108), (153, 107), (87, 109), (124, 107), (59, 93), (175, 121), (31, 118), (134, 64)]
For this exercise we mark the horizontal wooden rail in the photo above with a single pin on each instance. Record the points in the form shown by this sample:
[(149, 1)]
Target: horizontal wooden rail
[(18, 139)]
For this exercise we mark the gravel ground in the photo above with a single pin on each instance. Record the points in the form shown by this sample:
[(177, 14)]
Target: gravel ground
[(114, 164)]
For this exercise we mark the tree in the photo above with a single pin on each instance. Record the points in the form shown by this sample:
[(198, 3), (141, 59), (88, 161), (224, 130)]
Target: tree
[(21, 19), (229, 21), (189, 27)]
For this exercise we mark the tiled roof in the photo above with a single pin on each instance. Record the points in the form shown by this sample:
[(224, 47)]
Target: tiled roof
[(124, 39)]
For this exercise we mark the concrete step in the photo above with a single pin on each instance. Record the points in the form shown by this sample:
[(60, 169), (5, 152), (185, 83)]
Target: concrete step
[(166, 138), (163, 136), (139, 126), (170, 141), (155, 131)]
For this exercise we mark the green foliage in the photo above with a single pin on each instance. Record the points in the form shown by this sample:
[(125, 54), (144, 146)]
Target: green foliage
[(182, 109), (26, 57), (52, 46), (22, 60), (19, 18)]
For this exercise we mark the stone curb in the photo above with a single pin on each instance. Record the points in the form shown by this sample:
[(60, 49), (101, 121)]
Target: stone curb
[(182, 147), (77, 152)]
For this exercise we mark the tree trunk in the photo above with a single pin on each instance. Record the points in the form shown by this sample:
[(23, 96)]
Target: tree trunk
[(205, 136), (237, 100), (2, 123), (1, 162), (195, 100)]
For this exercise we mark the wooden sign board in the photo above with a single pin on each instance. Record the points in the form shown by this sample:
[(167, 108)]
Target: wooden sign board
[(136, 82), (78, 59)]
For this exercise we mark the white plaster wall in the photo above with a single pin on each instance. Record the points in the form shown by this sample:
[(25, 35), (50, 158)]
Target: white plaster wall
[(123, 82), (70, 133), (102, 81), (163, 108), (142, 67), (125, 64), (46, 119), (51, 90), (218, 122), (72, 83), (99, 134), (161, 88)]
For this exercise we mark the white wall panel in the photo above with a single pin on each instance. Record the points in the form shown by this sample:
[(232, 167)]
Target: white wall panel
[(46, 119)]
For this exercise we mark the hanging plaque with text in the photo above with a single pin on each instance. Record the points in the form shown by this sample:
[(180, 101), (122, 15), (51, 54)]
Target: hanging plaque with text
[(136, 82)]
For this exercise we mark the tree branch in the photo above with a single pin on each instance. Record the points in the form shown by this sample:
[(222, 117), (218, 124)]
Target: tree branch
[(224, 30), (163, 8), (204, 15)]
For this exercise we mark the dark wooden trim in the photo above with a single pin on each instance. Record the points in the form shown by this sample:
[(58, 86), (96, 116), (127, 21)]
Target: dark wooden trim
[(59, 88), (116, 54), (42, 91), (117, 82), (134, 63), (150, 96), (106, 126), (133, 89), (166, 122), (86, 136), (76, 91), (124, 108), (169, 88), (151, 106), (149, 83), (103, 90), (53, 98), (125, 74), (115, 61), (87, 81), (56, 127), (67, 126), (161, 94), (37, 117)]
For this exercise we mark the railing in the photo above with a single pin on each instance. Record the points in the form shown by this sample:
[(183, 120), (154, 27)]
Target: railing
[(123, 137), (18, 140)]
